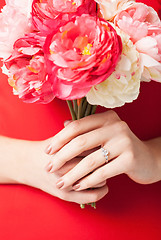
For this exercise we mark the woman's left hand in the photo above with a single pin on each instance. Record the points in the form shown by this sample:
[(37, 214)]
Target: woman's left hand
[(126, 153)]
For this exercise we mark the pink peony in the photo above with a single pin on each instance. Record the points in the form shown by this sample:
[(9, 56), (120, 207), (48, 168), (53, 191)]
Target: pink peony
[(14, 24), (136, 20), (143, 26), (81, 54), (27, 71), (46, 12)]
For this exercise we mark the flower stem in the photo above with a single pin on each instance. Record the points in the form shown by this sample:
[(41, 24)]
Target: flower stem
[(84, 107), (93, 205), (88, 111), (75, 107), (82, 206), (79, 109), (94, 107), (70, 105)]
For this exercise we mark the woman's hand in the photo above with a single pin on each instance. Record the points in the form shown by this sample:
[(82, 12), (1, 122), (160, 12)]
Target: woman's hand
[(23, 162), (127, 154)]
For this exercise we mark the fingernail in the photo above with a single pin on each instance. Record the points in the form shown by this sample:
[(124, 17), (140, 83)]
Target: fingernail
[(60, 183), (67, 122), (52, 170), (49, 167), (48, 149), (76, 187)]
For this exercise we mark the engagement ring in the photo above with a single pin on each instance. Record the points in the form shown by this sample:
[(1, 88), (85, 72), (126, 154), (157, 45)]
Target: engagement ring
[(105, 154)]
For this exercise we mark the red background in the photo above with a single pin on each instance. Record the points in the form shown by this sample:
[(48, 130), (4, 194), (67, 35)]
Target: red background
[(130, 211)]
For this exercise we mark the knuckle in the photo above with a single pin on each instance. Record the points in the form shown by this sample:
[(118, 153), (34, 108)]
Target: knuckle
[(57, 139), (111, 114), (127, 142), (75, 126), (103, 174), (81, 141), (91, 164), (121, 126)]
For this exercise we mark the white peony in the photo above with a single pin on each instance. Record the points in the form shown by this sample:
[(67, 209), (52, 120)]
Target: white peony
[(24, 6), (109, 8), (14, 23), (124, 83)]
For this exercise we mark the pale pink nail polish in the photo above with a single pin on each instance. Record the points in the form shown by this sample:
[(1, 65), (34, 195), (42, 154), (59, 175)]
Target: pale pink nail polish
[(49, 167), (76, 187), (60, 183), (67, 122), (48, 149), (52, 170)]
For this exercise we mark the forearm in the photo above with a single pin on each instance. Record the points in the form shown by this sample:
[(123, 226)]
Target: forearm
[(12, 153), (155, 147)]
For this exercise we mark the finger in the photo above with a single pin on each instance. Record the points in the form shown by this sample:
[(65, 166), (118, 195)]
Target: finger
[(99, 185), (96, 186), (49, 166), (66, 123), (88, 165), (105, 172), (78, 145), (86, 196), (68, 166), (86, 153), (79, 127), (77, 159)]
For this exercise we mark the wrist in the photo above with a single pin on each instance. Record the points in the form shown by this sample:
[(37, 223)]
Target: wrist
[(154, 147), (18, 166), (33, 162), (10, 160)]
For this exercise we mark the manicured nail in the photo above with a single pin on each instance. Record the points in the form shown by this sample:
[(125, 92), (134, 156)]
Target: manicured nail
[(67, 122), (76, 187), (49, 167), (52, 170), (60, 183), (48, 149)]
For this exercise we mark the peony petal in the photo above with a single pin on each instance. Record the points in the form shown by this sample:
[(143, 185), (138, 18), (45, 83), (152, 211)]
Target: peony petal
[(124, 64), (146, 43), (148, 61)]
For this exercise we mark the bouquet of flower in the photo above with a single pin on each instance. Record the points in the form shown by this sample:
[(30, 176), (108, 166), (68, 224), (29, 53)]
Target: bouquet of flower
[(88, 52)]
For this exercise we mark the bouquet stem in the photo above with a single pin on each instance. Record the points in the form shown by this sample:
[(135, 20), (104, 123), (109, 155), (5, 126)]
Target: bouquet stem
[(80, 108), (72, 112)]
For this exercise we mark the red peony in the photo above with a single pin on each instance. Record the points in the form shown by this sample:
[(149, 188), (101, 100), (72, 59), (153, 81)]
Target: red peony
[(48, 12), (83, 53), (27, 71)]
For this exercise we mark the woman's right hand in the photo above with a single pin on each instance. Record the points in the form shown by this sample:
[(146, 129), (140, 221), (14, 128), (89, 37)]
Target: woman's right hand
[(33, 173)]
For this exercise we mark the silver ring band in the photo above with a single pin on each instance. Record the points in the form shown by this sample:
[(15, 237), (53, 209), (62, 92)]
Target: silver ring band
[(105, 154)]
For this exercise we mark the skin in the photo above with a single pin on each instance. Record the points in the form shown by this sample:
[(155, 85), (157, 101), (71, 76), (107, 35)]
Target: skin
[(140, 160), (23, 162), (75, 154)]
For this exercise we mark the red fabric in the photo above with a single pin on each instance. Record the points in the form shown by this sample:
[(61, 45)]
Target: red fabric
[(130, 211)]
